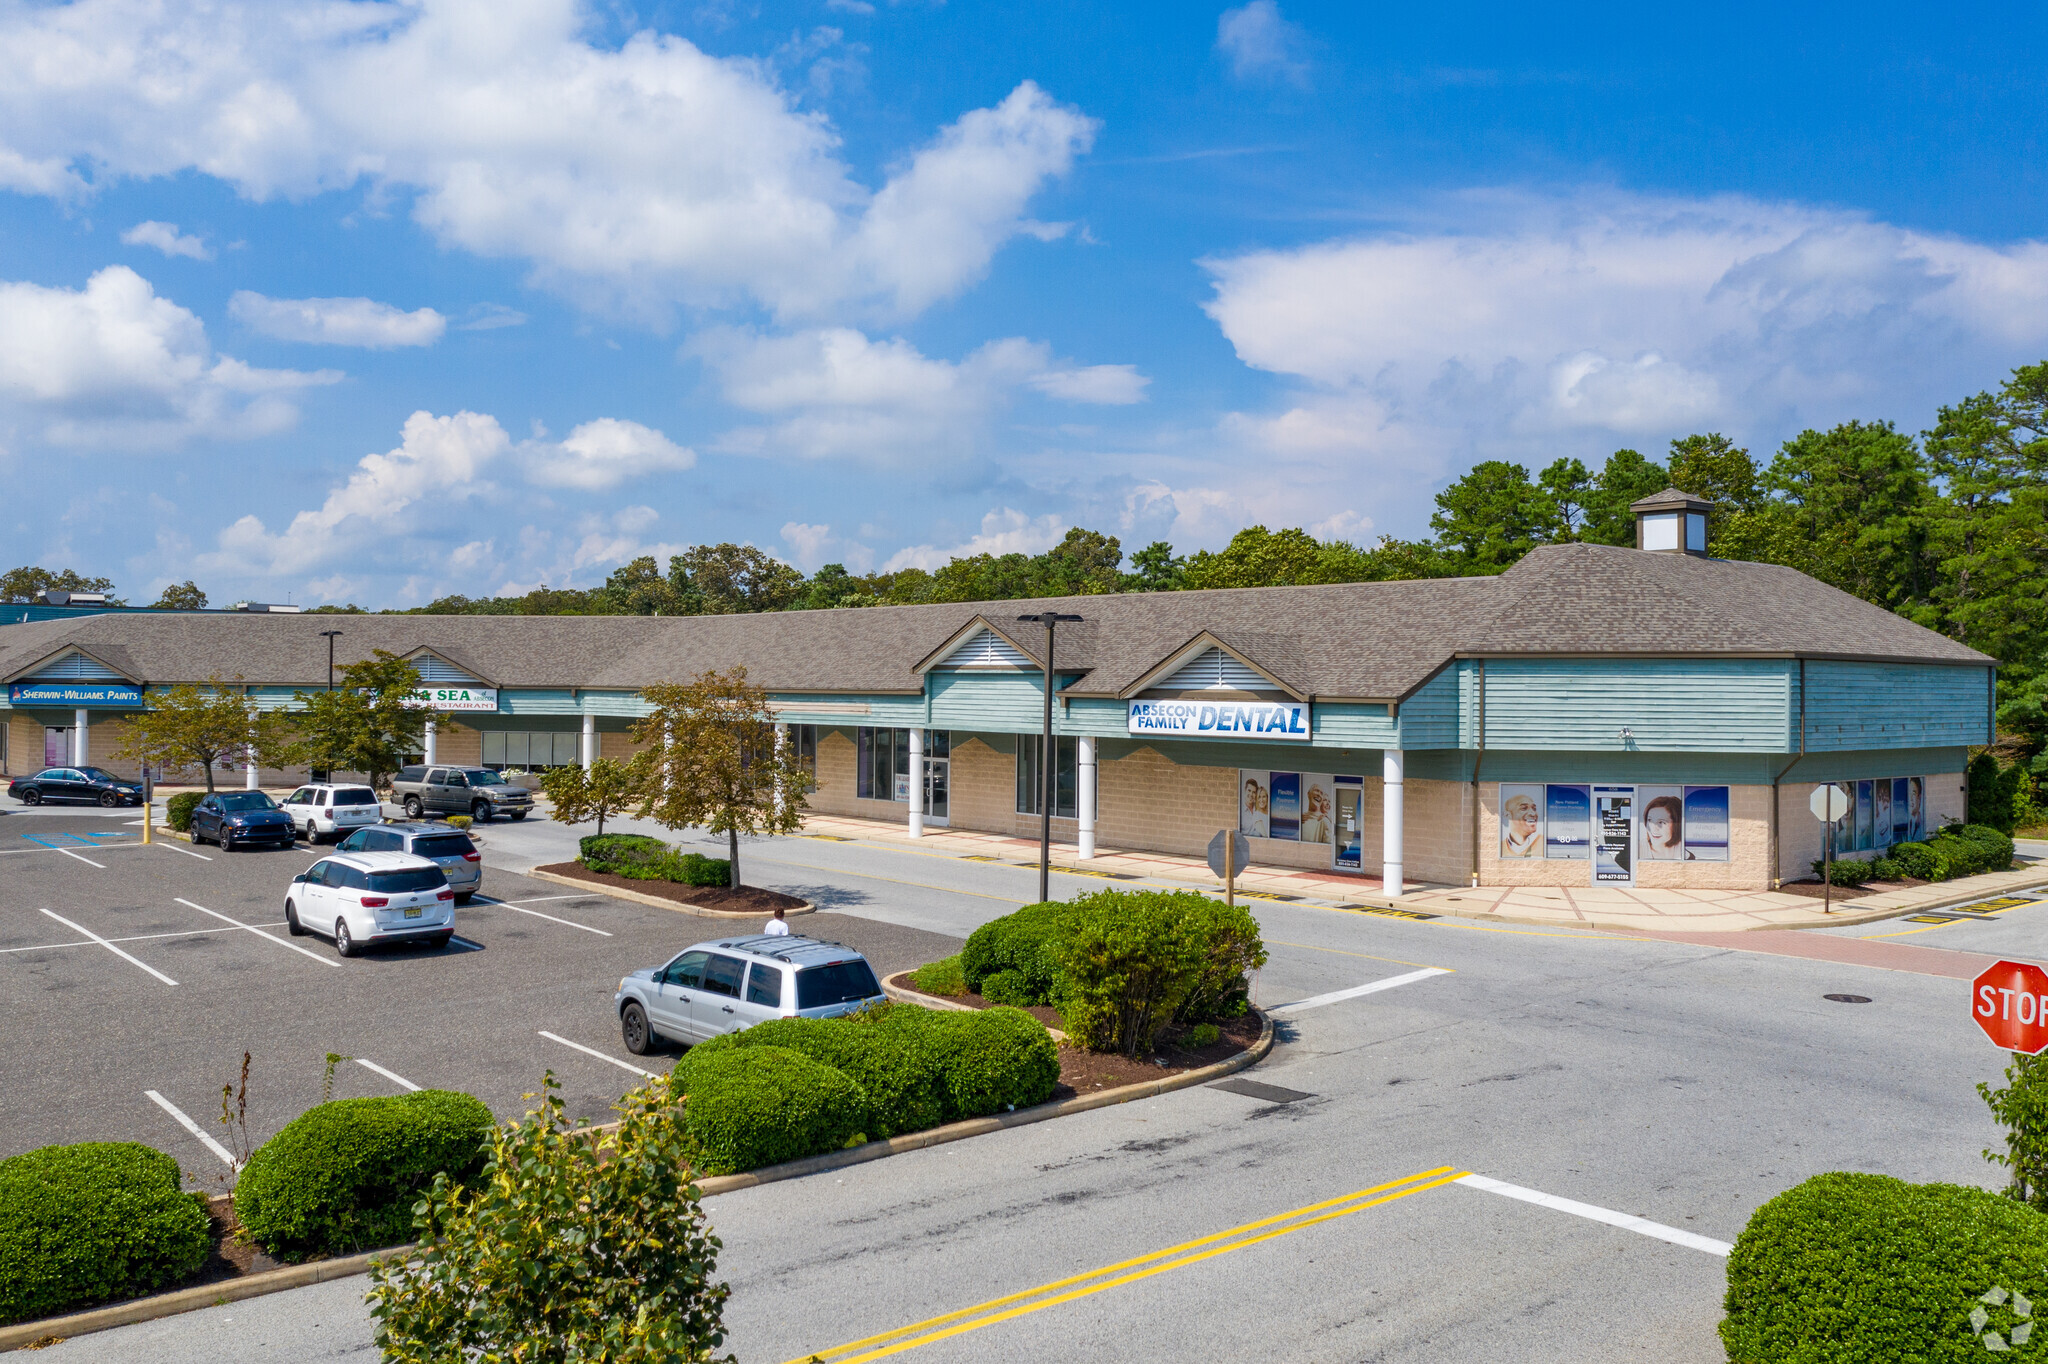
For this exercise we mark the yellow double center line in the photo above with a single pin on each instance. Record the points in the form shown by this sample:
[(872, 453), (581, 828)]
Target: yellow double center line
[(1126, 1271)]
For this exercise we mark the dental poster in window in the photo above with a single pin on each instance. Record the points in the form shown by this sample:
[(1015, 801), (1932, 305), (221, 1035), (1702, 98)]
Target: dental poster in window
[(1521, 822), (1706, 823), (1318, 807), (1614, 834), (1350, 850), (1661, 828), (1254, 802), (1568, 823), (1284, 819)]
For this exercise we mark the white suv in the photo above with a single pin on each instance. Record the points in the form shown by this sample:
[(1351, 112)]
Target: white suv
[(719, 987), (365, 898), (332, 809)]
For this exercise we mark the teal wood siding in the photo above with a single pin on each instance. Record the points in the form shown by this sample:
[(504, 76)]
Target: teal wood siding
[(1100, 716), (885, 711), (1879, 705), (1434, 716), (1671, 705), (1351, 725), (562, 702), (1357, 762), (1007, 702)]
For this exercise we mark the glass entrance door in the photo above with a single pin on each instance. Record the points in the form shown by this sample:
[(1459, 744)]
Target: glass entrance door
[(938, 763)]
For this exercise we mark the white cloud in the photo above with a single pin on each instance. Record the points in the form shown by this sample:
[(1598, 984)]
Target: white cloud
[(1007, 531), (166, 238), (114, 364), (336, 321), (811, 547), (603, 453), (1609, 318), (1261, 45), (637, 175), (440, 463), (488, 317), (837, 391)]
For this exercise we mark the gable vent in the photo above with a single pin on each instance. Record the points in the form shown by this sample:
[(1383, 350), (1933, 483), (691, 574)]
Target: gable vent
[(1216, 669), (77, 668), (439, 672), (987, 650)]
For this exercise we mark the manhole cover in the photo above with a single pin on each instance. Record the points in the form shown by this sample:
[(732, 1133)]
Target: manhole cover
[(1847, 999), (1252, 1089)]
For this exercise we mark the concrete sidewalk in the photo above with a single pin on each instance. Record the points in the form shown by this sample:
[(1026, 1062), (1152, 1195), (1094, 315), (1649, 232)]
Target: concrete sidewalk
[(1688, 911)]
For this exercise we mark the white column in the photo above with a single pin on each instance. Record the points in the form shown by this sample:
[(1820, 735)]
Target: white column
[(781, 753), (1390, 829), (589, 753), (81, 737), (916, 783), (1084, 795), (249, 763), (431, 745)]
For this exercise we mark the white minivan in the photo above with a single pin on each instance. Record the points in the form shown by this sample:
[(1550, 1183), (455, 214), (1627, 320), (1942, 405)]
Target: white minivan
[(332, 810), (361, 899)]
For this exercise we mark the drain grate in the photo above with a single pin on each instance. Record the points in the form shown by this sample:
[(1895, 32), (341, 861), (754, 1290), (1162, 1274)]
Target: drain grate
[(1252, 1089), (1847, 999)]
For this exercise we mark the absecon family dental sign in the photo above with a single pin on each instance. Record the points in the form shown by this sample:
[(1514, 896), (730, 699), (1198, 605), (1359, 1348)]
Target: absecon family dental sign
[(1215, 719)]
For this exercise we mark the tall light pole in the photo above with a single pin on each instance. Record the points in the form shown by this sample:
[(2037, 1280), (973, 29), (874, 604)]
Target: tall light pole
[(1047, 760), (330, 634)]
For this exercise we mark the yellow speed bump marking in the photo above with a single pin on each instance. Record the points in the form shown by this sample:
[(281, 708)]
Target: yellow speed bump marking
[(1125, 1271)]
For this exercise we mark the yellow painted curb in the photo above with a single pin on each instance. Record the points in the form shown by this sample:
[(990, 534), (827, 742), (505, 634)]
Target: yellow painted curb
[(320, 1271), (641, 898)]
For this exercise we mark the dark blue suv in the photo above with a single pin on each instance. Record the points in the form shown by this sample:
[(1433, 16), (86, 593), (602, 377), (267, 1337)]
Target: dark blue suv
[(233, 818)]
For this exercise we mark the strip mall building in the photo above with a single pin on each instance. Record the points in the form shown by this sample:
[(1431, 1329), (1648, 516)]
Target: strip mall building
[(1595, 715)]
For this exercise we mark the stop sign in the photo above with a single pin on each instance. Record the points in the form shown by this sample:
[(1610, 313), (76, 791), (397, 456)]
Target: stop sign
[(2010, 1003)]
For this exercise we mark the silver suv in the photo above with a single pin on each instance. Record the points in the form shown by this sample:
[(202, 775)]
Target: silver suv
[(447, 848), (720, 987), (477, 792)]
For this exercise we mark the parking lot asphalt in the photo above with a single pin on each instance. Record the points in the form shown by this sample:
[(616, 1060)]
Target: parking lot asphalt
[(128, 969)]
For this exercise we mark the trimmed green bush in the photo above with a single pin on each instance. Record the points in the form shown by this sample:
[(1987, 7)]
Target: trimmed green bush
[(895, 1067), (992, 1060), (1921, 861), (1847, 1268), (178, 810), (1229, 947), (1127, 962), (1021, 942), (343, 1176), (1009, 987), (1957, 850), (942, 977), (695, 869), (1204, 1035), (751, 1106), (616, 852), (94, 1222)]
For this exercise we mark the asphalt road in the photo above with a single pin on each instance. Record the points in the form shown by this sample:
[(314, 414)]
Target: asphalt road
[(1679, 1084)]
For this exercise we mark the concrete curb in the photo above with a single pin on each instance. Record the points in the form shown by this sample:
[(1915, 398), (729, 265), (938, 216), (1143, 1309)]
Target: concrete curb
[(641, 898), (903, 994), (320, 1271)]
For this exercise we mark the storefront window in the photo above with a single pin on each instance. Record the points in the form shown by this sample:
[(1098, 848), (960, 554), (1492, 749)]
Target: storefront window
[(531, 749), (882, 760), (1064, 777)]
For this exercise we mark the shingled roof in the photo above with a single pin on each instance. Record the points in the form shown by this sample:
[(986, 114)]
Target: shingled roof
[(1366, 641)]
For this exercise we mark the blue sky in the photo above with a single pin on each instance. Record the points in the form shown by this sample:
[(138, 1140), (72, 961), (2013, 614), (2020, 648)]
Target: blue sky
[(341, 301)]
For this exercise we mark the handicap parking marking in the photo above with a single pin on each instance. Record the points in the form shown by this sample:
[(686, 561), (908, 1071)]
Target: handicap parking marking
[(134, 961), (592, 1051), (194, 1128), (390, 1075), (320, 957)]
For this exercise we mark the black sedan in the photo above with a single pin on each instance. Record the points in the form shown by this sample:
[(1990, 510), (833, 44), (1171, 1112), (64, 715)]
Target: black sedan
[(235, 818), (91, 785)]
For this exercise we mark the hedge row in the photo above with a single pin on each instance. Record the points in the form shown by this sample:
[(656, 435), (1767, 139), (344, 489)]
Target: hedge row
[(795, 1087), (91, 1223), (1119, 965), (1849, 1268), (178, 810), (1957, 850), (343, 1176), (649, 859)]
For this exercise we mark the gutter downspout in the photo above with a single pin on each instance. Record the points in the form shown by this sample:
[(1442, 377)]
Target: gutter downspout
[(1777, 862), (1478, 762)]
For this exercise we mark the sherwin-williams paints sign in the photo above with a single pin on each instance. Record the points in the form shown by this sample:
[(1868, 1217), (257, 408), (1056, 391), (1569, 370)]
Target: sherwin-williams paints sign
[(456, 698), (1216, 719), (73, 694)]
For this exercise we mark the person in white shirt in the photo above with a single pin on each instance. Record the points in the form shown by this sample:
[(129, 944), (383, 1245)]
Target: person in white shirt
[(777, 927)]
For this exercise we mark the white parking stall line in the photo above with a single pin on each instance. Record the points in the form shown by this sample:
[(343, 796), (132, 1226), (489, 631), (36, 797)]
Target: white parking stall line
[(138, 937), (76, 858), (549, 917), (537, 899), (392, 1076), (592, 1051), (194, 1128), (173, 845), (1642, 1226), (320, 957), (80, 928), (1337, 996)]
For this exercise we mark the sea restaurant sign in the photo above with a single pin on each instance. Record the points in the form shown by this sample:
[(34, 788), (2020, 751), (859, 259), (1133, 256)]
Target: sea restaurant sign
[(456, 698), (1217, 719), (73, 694)]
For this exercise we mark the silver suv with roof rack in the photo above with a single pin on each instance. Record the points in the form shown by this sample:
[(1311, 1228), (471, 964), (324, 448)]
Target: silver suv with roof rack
[(720, 987)]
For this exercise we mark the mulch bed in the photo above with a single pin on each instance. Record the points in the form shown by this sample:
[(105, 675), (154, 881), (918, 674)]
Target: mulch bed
[(744, 899), (1085, 1072), (1814, 890)]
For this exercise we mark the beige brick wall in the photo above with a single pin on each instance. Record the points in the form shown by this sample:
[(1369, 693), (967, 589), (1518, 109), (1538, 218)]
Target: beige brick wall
[(982, 788), (24, 745), (1436, 835), (458, 745), (1748, 866)]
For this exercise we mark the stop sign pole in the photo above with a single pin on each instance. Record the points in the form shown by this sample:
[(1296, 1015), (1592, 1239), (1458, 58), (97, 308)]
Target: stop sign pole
[(1828, 803), (2010, 1003)]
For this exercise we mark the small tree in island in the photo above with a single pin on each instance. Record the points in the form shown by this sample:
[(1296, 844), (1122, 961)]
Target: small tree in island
[(576, 795), (368, 724), (710, 759), (207, 727)]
